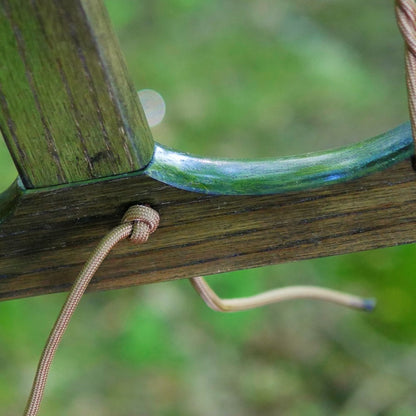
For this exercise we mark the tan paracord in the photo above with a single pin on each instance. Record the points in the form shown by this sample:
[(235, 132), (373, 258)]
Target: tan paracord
[(137, 224), (406, 20), (140, 221)]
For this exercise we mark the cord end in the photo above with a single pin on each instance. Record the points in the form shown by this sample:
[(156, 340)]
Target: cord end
[(365, 304)]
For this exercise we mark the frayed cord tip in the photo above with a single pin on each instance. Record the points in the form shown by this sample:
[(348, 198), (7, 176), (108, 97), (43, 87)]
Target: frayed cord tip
[(368, 304)]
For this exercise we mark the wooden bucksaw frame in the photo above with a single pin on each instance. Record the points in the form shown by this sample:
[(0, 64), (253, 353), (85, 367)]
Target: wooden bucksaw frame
[(78, 135), (84, 152)]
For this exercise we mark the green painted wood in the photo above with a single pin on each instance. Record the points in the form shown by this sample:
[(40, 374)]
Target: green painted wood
[(68, 111), (281, 175)]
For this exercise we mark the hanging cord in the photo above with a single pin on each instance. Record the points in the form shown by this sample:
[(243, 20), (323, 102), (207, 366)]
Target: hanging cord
[(138, 223), (406, 20), (278, 295)]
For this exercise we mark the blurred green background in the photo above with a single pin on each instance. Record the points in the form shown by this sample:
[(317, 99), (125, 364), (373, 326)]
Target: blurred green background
[(241, 79)]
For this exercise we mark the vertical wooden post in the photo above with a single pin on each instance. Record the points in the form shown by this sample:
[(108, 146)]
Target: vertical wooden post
[(68, 111)]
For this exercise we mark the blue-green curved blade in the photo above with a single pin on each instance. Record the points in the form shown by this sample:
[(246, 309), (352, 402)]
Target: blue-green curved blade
[(280, 175)]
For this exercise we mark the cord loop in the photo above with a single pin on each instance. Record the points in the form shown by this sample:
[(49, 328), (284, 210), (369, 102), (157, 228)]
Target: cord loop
[(145, 220)]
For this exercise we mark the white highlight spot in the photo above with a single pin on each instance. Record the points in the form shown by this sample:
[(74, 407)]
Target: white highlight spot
[(153, 105)]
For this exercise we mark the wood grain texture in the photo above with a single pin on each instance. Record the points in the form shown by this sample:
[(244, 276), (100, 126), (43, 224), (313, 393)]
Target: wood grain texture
[(47, 235), (68, 111)]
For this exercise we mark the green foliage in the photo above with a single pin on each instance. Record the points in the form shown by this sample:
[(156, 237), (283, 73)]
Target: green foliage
[(153, 349)]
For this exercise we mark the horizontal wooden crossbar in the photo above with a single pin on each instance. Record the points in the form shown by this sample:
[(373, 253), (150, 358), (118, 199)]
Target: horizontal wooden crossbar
[(47, 234)]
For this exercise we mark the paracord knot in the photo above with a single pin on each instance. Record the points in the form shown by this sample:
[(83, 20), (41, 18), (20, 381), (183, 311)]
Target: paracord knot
[(145, 221)]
